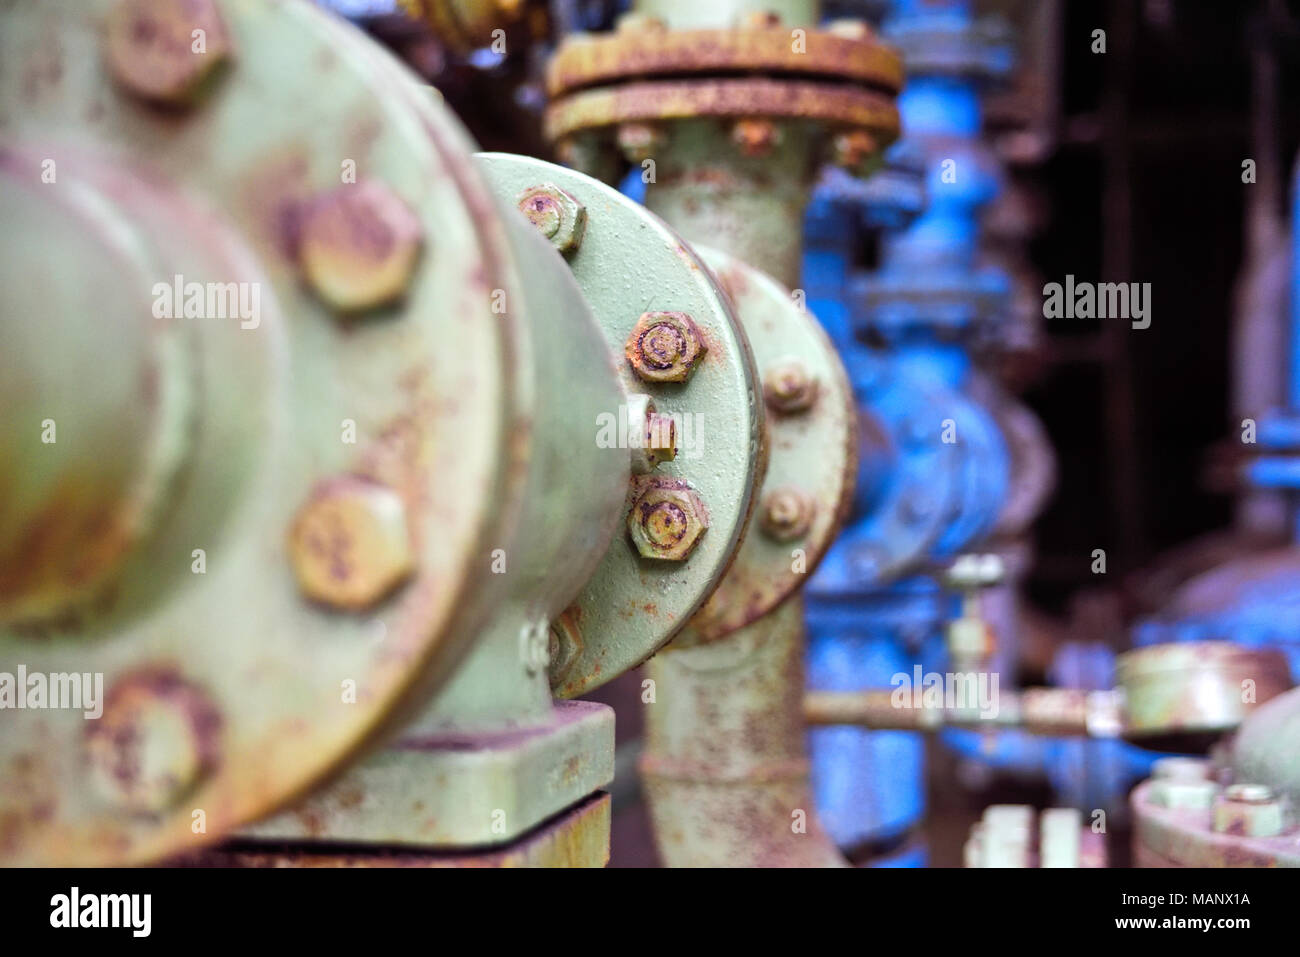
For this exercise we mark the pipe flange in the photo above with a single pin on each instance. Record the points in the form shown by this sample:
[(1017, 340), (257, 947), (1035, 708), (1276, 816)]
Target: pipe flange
[(220, 706), (812, 451), (630, 266), (588, 60)]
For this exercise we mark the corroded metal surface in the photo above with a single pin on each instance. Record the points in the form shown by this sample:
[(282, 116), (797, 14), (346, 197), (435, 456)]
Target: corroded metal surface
[(630, 265), (466, 412), (576, 838), (665, 100), (457, 787), (725, 768), (639, 54)]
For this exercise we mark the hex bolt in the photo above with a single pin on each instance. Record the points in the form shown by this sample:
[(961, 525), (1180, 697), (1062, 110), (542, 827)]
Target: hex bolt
[(755, 136), (358, 246), (851, 148), (664, 347), (787, 514), (557, 215), (1251, 810), (652, 437), (168, 52), (789, 388), (666, 520), (566, 646), (154, 741), (350, 544), (639, 141)]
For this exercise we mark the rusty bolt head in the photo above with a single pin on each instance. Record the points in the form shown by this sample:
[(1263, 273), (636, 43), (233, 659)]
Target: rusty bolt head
[(850, 149), (1251, 810), (168, 52), (787, 514), (557, 215), (664, 346), (639, 141), (350, 544), (566, 646), (755, 137), (652, 438), (358, 246), (667, 520), (154, 741), (789, 388)]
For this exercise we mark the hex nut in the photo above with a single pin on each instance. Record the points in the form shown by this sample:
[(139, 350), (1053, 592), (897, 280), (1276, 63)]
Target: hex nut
[(557, 215), (358, 246), (1250, 810), (787, 514), (566, 646), (667, 520), (153, 743), (789, 388), (652, 437), (665, 347), (350, 544), (167, 52)]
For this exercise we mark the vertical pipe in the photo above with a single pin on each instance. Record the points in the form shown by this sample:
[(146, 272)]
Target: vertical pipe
[(725, 768)]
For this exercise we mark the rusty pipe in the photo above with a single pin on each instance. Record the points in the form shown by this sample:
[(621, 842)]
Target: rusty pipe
[(725, 768)]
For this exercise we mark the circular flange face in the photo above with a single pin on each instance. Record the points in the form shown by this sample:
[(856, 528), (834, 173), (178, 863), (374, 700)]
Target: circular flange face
[(296, 443), (1183, 695), (812, 452), (631, 266), (587, 60), (651, 101)]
